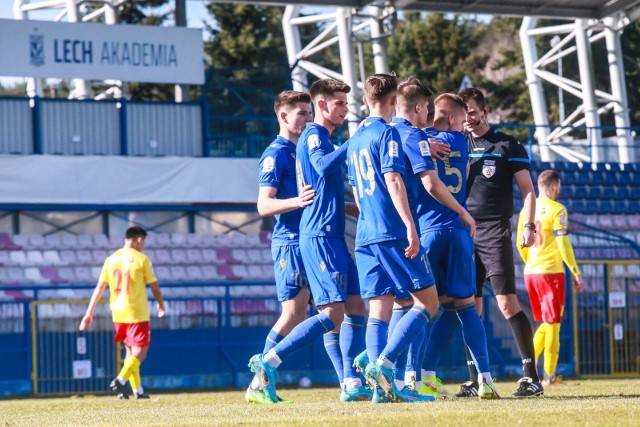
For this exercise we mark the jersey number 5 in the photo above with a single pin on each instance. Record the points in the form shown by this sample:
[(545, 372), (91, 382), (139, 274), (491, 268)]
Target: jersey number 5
[(364, 172), (119, 276)]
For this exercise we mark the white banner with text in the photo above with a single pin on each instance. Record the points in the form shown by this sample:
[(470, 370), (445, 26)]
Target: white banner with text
[(133, 53)]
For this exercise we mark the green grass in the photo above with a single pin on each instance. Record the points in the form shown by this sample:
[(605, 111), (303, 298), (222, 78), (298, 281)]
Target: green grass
[(579, 402)]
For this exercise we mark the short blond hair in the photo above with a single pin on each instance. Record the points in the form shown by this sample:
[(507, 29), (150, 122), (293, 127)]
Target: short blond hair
[(547, 178)]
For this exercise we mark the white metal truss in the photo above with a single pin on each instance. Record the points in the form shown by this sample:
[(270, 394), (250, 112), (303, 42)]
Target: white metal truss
[(74, 11), (349, 29), (577, 37)]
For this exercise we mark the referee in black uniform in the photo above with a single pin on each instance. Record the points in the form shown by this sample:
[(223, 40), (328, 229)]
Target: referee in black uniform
[(495, 159)]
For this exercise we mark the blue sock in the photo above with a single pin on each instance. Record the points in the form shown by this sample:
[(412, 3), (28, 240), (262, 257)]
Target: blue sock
[(441, 333), (415, 355), (401, 363), (475, 336), (376, 337), (351, 342), (408, 327), (332, 347), (304, 334), (273, 338)]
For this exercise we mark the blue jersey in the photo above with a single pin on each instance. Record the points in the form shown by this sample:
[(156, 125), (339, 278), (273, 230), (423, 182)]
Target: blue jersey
[(417, 159), (453, 173), (277, 169), (374, 150), (320, 165)]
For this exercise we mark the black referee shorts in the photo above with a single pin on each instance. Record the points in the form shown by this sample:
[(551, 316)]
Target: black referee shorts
[(494, 256)]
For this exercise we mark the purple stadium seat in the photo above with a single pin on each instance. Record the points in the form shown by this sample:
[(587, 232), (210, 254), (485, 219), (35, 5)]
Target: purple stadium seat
[(68, 241), (37, 241), (163, 273), (67, 274), (179, 256), (6, 243), (265, 237), (225, 271), (267, 272), (83, 275), (179, 273), (226, 255), (194, 274), (18, 257), (53, 241), (254, 241), (634, 221), (240, 255), (254, 256), (163, 256), (4, 276), (16, 275), (254, 272), (209, 272), (208, 241), (241, 271), (163, 240), (35, 258), (194, 256), (179, 240), (21, 240), (33, 275), (267, 257), (85, 241), (210, 256), (84, 257), (51, 257), (237, 240), (194, 240)]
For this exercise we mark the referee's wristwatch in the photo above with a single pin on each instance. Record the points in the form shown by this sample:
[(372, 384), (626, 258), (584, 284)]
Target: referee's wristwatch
[(531, 226)]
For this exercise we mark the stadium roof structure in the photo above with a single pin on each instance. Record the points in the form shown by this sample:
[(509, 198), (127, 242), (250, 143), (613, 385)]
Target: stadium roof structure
[(596, 9)]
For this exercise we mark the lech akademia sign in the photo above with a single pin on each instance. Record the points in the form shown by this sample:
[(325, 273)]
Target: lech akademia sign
[(101, 52)]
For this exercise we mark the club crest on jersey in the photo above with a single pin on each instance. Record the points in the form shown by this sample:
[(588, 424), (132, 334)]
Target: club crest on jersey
[(283, 263), (424, 148), (393, 149), (489, 168), (313, 141), (268, 164), (323, 266), (563, 219)]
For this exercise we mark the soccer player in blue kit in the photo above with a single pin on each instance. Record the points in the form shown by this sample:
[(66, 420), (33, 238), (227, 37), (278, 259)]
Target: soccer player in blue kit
[(278, 195), (450, 248), (388, 252), (330, 269), (424, 188)]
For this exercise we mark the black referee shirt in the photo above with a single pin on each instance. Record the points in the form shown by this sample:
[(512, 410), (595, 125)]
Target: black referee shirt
[(493, 159)]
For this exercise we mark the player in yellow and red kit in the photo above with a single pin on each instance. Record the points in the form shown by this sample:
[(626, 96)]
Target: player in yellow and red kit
[(127, 273), (544, 272)]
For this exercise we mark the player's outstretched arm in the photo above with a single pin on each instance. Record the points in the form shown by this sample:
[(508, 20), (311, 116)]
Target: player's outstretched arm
[(523, 179), (325, 163), (398, 194), (434, 185), (157, 294), (93, 303), (269, 205)]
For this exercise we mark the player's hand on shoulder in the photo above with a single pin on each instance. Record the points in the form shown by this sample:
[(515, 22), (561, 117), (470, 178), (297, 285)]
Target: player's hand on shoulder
[(305, 198), (85, 322), (578, 283), (438, 149)]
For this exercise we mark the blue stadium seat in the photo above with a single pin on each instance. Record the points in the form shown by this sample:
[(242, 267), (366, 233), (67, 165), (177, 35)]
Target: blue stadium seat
[(595, 192), (636, 178), (599, 167), (609, 192), (606, 206), (596, 178), (584, 177), (535, 165), (592, 206), (610, 178), (620, 206), (570, 166), (625, 178), (615, 167), (633, 207), (576, 206), (635, 192), (542, 166), (569, 177), (581, 191), (623, 192)]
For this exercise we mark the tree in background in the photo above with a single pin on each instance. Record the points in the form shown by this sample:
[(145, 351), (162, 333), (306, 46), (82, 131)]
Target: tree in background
[(437, 49)]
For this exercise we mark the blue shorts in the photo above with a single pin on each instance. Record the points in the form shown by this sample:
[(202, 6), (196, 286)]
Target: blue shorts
[(289, 271), (451, 255), (383, 269), (330, 269)]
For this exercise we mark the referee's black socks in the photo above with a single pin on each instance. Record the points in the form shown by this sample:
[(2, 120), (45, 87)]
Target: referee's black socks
[(524, 339)]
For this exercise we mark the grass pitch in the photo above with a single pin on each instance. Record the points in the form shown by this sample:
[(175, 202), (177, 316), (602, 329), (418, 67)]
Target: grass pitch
[(578, 402)]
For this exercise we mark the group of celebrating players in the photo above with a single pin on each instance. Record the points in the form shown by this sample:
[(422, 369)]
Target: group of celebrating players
[(432, 184)]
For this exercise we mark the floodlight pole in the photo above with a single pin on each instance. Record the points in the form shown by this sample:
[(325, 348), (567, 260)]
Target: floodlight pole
[(294, 45), (343, 21)]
